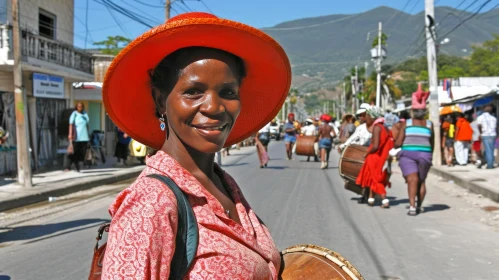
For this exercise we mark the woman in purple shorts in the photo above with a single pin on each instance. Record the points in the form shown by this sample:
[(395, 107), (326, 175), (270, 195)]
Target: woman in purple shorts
[(417, 141)]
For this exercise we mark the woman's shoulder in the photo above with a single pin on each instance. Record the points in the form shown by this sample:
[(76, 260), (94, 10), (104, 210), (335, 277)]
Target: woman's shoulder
[(145, 192)]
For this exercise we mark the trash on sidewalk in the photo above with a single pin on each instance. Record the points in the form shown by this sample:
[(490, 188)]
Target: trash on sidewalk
[(52, 198)]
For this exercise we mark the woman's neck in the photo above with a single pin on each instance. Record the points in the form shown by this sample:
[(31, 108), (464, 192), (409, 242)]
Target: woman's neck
[(197, 163)]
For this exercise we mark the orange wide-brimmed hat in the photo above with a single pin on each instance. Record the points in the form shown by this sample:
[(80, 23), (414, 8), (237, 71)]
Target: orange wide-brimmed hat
[(127, 91)]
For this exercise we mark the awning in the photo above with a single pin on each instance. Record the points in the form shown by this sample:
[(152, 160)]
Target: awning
[(91, 91)]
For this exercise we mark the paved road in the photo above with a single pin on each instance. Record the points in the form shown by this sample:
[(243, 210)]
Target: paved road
[(453, 239)]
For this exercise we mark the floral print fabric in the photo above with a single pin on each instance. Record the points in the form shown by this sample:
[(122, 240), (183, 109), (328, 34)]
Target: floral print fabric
[(141, 239)]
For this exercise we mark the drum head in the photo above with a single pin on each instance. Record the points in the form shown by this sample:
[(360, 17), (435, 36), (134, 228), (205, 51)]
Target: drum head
[(313, 262)]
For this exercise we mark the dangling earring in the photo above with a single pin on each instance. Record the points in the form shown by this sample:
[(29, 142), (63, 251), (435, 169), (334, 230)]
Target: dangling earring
[(162, 124)]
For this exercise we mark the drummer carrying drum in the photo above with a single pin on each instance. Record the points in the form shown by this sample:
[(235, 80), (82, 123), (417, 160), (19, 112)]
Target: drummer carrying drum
[(362, 134), (374, 174), (290, 135)]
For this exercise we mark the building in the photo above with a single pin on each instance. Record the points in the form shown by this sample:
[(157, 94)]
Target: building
[(50, 66)]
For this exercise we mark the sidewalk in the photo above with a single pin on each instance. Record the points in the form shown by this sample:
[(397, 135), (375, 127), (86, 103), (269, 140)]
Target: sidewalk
[(482, 181), (58, 183)]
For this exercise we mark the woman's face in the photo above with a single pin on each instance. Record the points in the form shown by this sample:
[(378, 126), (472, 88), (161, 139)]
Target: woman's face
[(369, 120), (79, 107), (204, 103)]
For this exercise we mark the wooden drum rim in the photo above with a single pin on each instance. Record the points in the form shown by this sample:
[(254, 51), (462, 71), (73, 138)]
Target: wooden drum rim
[(336, 258)]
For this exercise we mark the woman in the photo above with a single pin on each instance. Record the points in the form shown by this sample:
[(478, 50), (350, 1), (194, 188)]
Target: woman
[(262, 139), (78, 134), (448, 131), (347, 128), (210, 85), (415, 159), (121, 151), (374, 175), (326, 135)]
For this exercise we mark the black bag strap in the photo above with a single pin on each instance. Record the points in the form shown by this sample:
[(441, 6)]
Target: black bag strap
[(186, 241)]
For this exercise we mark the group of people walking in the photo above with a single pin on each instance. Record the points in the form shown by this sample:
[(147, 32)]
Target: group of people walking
[(387, 136), (462, 134)]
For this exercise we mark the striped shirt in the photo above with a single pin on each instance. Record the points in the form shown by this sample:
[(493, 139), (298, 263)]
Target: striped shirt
[(488, 123), (417, 138)]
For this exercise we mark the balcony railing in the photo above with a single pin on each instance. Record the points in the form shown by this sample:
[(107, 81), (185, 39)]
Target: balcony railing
[(35, 46)]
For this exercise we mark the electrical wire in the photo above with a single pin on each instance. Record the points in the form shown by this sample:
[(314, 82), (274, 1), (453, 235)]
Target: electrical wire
[(206, 6)]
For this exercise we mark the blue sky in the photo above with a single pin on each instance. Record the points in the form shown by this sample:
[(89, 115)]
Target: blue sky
[(259, 13)]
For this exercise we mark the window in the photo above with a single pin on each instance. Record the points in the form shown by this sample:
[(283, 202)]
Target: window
[(46, 24)]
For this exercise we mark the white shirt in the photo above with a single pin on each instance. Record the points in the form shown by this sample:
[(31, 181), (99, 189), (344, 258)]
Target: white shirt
[(265, 129), (309, 130), (360, 137), (488, 123), (476, 131)]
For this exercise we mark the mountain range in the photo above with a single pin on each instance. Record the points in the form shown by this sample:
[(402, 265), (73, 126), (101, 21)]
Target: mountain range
[(323, 49)]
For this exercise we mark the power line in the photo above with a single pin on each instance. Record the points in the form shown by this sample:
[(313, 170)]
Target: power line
[(313, 25), (468, 18), (117, 21), (206, 6)]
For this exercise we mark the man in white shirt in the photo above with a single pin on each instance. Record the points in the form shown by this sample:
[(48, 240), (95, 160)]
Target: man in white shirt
[(311, 130), (361, 136), (487, 124)]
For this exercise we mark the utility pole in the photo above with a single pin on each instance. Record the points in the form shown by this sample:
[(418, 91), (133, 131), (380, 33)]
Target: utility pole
[(432, 77), (168, 6), (378, 67), (343, 101), (22, 134), (355, 87)]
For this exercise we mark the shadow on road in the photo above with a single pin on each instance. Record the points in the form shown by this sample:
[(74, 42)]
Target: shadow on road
[(37, 231), (235, 164), (277, 167), (435, 207)]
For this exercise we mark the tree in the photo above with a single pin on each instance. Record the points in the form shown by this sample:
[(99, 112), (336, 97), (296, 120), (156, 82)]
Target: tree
[(485, 58), (384, 38), (113, 44)]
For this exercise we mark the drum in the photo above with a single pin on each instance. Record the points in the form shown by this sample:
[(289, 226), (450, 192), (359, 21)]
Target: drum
[(351, 162), (305, 145), (313, 262)]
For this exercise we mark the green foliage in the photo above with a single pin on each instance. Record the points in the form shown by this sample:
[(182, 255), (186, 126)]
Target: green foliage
[(384, 38), (113, 44), (485, 59)]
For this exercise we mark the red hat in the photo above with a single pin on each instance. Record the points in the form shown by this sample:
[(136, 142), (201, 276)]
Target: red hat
[(291, 115), (127, 92), (419, 98), (326, 118)]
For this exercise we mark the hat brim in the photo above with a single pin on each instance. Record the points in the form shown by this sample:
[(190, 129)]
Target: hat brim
[(127, 92), (360, 111)]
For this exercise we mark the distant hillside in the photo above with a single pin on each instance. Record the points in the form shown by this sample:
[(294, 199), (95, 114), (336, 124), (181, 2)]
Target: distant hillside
[(323, 48)]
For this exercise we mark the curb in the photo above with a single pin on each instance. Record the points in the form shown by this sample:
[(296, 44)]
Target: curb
[(466, 184), (70, 187)]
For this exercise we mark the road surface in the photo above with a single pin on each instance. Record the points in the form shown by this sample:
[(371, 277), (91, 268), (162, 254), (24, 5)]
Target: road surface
[(301, 204)]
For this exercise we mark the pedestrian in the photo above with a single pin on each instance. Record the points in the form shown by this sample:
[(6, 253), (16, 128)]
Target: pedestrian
[(262, 140), (448, 131), (78, 135), (310, 129), (477, 144), (416, 139), (326, 135), (362, 134), (390, 119), (347, 128), (373, 176), (462, 139), (210, 88), (289, 135), (487, 124), (121, 151)]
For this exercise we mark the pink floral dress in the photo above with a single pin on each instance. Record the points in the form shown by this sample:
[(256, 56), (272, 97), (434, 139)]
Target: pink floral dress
[(141, 239)]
